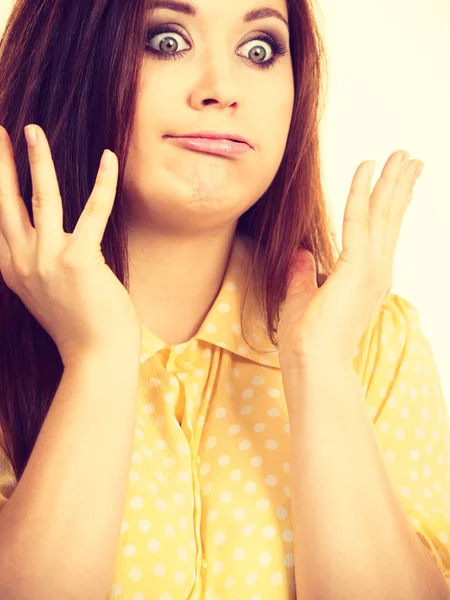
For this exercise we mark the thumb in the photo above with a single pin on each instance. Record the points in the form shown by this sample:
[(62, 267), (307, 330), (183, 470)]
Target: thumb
[(303, 276)]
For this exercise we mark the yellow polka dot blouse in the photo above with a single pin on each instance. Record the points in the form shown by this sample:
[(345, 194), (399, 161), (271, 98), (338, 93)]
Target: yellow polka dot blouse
[(207, 514)]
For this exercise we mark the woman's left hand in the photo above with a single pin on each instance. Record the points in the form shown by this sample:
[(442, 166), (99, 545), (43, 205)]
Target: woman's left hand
[(318, 325)]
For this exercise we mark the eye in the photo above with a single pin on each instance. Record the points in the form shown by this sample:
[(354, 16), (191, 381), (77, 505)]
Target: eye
[(164, 45), (259, 53)]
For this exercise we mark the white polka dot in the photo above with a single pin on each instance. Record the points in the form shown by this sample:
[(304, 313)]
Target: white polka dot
[(390, 456), (239, 514), (248, 529), (115, 590), (244, 445), (217, 567), (229, 582), (251, 578), (129, 550), (160, 444), (159, 570), (264, 559), (443, 537), (135, 574), (169, 530), (137, 502), (271, 444), (184, 476), (427, 492), (154, 546), (139, 596), (179, 498), (238, 554), (183, 448), (160, 476), (263, 504), (223, 460), (179, 577), (271, 480), (123, 527), (405, 491), (250, 487), (206, 490), (414, 454), (259, 427), (235, 475), (288, 535), (276, 578), (281, 513), (225, 497), (161, 505), (220, 538), (400, 434), (273, 412), (182, 554), (289, 561), (269, 532)]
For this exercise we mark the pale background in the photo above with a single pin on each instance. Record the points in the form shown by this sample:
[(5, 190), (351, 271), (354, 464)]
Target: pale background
[(388, 90)]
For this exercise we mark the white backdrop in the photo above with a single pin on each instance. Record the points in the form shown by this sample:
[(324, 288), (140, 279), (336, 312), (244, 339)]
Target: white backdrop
[(388, 90)]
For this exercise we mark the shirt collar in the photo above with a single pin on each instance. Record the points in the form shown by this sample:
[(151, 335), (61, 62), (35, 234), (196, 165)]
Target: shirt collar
[(222, 325)]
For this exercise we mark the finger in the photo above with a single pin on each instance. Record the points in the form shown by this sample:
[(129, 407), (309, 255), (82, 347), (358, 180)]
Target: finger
[(15, 222), (5, 255), (46, 199), (405, 193), (355, 230), (388, 203), (381, 204), (89, 231)]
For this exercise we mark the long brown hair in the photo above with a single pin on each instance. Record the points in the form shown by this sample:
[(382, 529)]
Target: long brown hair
[(73, 69)]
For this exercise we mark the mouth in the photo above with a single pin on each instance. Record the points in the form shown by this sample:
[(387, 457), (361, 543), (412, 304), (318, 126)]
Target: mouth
[(218, 146)]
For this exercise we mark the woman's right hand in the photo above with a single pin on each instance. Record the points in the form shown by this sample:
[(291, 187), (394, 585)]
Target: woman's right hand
[(63, 278)]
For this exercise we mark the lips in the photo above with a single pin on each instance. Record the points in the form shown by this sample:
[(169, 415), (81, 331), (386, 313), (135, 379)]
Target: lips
[(218, 146), (217, 135)]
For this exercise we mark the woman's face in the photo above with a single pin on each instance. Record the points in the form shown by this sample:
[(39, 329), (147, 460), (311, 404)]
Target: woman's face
[(228, 78)]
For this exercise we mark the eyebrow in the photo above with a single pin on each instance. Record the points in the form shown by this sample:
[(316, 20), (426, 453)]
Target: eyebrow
[(191, 10)]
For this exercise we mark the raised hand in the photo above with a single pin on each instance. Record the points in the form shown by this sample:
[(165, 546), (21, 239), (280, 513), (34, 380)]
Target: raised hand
[(63, 278), (327, 323)]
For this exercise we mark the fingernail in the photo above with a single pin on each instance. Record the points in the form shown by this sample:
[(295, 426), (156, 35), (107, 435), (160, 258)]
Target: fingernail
[(106, 160), (419, 169), (405, 159), (31, 135)]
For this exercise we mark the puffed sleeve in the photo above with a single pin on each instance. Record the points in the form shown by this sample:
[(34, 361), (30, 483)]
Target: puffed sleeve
[(405, 400)]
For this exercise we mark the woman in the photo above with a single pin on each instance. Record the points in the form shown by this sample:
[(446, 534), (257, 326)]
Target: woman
[(147, 408)]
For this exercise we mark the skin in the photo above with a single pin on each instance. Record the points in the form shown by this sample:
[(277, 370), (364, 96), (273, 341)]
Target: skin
[(182, 205)]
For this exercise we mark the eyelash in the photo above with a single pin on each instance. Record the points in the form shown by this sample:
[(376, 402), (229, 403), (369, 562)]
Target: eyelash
[(278, 48)]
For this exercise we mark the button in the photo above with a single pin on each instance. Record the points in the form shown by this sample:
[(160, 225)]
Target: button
[(204, 565)]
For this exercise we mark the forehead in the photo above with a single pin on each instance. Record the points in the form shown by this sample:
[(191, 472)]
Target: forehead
[(250, 9)]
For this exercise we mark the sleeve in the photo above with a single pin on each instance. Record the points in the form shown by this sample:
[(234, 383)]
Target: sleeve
[(7, 479), (405, 400)]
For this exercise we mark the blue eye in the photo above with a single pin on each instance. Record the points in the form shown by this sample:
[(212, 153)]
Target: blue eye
[(168, 46)]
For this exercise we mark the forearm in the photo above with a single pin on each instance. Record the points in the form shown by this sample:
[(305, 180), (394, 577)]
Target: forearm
[(60, 529), (352, 538)]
